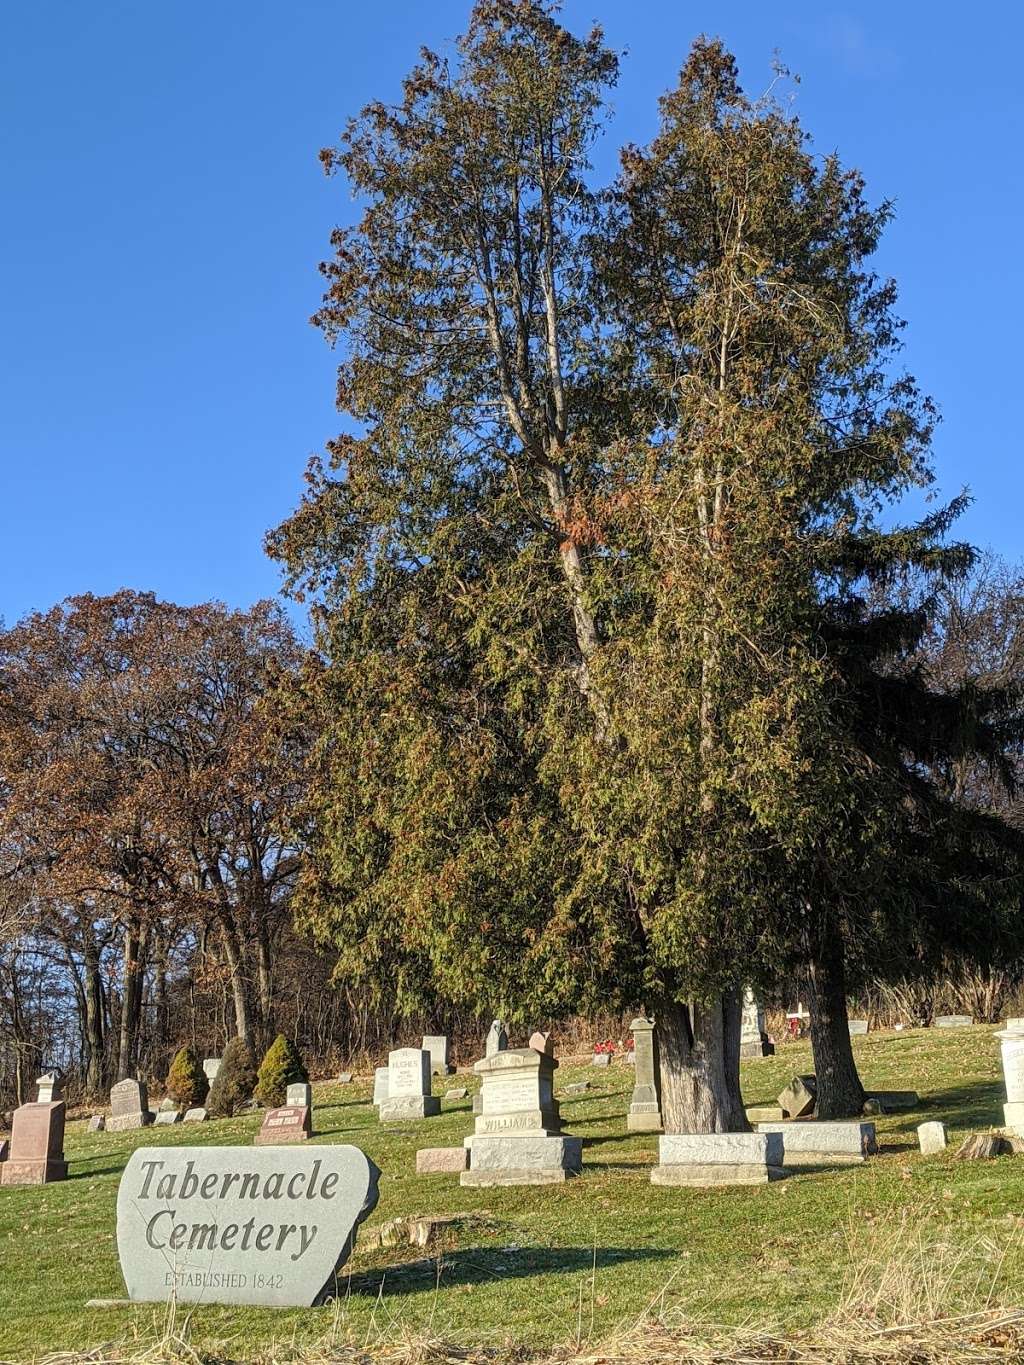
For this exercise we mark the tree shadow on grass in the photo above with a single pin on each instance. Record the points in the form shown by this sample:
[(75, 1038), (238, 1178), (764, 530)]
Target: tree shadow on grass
[(978, 1105), (481, 1265)]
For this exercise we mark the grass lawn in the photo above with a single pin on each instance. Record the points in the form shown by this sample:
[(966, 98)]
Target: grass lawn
[(559, 1264)]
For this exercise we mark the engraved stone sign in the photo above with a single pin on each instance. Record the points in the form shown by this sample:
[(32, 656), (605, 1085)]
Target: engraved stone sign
[(233, 1225)]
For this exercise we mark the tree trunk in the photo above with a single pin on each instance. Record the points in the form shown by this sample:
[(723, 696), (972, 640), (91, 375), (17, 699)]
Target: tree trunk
[(699, 1052), (239, 994), (95, 1040), (131, 999), (840, 1093)]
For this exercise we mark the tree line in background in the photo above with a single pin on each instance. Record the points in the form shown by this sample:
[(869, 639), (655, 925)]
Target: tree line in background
[(628, 684)]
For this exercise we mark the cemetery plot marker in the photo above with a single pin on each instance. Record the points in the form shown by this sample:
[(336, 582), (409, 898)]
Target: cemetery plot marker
[(129, 1107), (235, 1225), (36, 1155), (409, 1094), (645, 1106)]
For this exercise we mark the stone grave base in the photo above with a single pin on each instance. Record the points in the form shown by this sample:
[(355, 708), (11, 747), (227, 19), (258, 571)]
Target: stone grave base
[(643, 1118), (544, 1160), (1013, 1117), (409, 1107), (166, 1116), (823, 1143), (441, 1160), (757, 1048), (765, 1113), (32, 1172), (704, 1173), (121, 1123), (478, 1102)]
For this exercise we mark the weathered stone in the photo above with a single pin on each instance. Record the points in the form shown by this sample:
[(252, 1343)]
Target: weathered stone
[(602, 1059), (441, 1160), (980, 1147), (290, 1123), (754, 1040), (299, 1095), (644, 1114), (931, 1138), (197, 1115), (437, 1046), (542, 1042), (522, 1160), (797, 1100), (409, 1094), (345, 1078), (49, 1088), (129, 1106), (167, 1116), (36, 1155), (97, 1124), (240, 1225), (518, 1094), (166, 1105), (1011, 1048), (380, 1084), (1016, 1022), (765, 1113), (718, 1159), (893, 1101), (577, 1088), (858, 1027), (819, 1142), (871, 1108), (211, 1065), (952, 1021), (456, 1093), (497, 1038)]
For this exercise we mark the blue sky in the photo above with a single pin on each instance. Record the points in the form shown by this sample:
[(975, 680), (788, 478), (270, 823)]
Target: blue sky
[(164, 212)]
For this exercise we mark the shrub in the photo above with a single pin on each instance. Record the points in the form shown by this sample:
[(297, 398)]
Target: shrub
[(280, 1068), (187, 1083), (235, 1080)]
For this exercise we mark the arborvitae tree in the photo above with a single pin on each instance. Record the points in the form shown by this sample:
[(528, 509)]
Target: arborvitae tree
[(187, 1081), (235, 1082), (281, 1067), (583, 738)]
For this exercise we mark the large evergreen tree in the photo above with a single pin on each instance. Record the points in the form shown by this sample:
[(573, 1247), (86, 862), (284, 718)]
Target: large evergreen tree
[(587, 728)]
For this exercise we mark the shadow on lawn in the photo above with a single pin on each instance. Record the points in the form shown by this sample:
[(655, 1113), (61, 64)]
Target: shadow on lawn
[(979, 1105), (479, 1265)]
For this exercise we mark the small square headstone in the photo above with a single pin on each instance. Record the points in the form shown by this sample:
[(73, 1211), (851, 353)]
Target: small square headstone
[(290, 1123), (299, 1095), (197, 1115), (49, 1088), (129, 1106), (97, 1123), (437, 1046)]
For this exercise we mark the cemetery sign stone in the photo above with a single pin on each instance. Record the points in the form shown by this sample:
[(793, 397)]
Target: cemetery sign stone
[(234, 1225)]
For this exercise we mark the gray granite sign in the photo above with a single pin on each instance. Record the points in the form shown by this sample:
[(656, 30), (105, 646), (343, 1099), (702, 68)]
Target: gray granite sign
[(240, 1225)]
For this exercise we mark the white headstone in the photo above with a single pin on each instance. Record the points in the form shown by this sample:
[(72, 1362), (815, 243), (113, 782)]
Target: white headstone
[(211, 1065), (1011, 1047), (240, 1225), (409, 1094), (437, 1046), (931, 1138), (299, 1094), (497, 1039), (380, 1084)]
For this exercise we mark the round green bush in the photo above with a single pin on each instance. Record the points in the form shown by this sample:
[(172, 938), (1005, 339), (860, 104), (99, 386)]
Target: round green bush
[(187, 1083), (280, 1068), (235, 1081)]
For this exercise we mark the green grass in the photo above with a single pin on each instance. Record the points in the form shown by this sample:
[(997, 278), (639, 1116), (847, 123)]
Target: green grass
[(541, 1265)]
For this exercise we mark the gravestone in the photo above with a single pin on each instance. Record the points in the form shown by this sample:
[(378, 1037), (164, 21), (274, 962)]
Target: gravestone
[(952, 1021), (797, 1100), (441, 1160), (497, 1038), (409, 1094), (238, 1226), (1011, 1048), (166, 1105), (1017, 1022), (164, 1117), (197, 1115), (457, 1092), (437, 1046), (129, 1106), (518, 1138), (97, 1124), (702, 1159), (345, 1078), (754, 1041), (858, 1027), (602, 1059), (211, 1065), (289, 1123), (645, 1105), (49, 1088), (824, 1142), (542, 1042), (380, 1084), (931, 1138), (300, 1095), (36, 1155), (5, 1150)]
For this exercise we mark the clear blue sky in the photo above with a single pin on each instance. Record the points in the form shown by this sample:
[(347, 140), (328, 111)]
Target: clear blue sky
[(164, 212)]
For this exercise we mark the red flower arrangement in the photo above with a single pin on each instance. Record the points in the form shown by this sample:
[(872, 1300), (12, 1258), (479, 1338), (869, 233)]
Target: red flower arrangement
[(600, 1049)]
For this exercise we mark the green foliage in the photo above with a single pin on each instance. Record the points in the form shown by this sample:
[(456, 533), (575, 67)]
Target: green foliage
[(281, 1066), (235, 1082), (187, 1082)]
